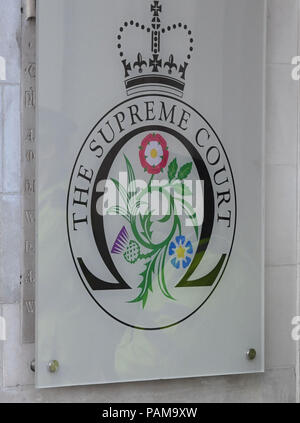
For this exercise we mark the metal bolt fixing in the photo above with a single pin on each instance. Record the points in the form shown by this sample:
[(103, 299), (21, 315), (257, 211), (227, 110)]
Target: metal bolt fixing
[(251, 354), (53, 366)]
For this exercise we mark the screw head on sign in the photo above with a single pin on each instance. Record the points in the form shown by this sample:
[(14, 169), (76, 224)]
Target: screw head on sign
[(251, 354), (53, 366)]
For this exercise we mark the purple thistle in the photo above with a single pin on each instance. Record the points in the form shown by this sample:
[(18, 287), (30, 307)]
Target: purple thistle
[(120, 242)]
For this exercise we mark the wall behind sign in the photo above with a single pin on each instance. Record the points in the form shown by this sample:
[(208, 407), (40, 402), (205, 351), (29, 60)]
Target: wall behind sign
[(279, 383)]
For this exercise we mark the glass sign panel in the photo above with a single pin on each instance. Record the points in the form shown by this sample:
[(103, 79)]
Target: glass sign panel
[(150, 137)]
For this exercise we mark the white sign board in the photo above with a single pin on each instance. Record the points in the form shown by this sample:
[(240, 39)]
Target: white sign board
[(150, 189)]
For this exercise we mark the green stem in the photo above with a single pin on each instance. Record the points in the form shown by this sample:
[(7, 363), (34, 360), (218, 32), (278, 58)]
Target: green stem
[(165, 288), (146, 256)]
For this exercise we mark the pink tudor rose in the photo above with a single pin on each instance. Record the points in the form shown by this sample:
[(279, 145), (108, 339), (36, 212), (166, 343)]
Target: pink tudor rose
[(154, 153)]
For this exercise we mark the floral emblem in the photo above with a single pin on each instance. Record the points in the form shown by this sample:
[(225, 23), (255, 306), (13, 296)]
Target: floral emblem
[(182, 251), (154, 154), (154, 157), (130, 249)]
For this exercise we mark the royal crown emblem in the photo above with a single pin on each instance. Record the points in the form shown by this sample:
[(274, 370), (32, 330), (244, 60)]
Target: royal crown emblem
[(159, 67)]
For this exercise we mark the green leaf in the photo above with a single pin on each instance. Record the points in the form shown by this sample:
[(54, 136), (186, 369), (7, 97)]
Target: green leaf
[(131, 179), (172, 170), (121, 189), (146, 284), (148, 226), (165, 219), (190, 212), (119, 211), (182, 189), (143, 219), (184, 171), (161, 274), (168, 215)]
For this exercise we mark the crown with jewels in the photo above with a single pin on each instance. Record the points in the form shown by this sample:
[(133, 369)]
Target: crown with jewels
[(163, 68)]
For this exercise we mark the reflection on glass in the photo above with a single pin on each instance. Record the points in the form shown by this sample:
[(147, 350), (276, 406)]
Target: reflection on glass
[(2, 69)]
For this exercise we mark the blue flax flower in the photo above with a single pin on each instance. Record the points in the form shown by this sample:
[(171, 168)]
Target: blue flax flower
[(182, 251)]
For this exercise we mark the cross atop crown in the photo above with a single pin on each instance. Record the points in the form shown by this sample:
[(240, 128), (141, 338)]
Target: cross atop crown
[(156, 8)]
